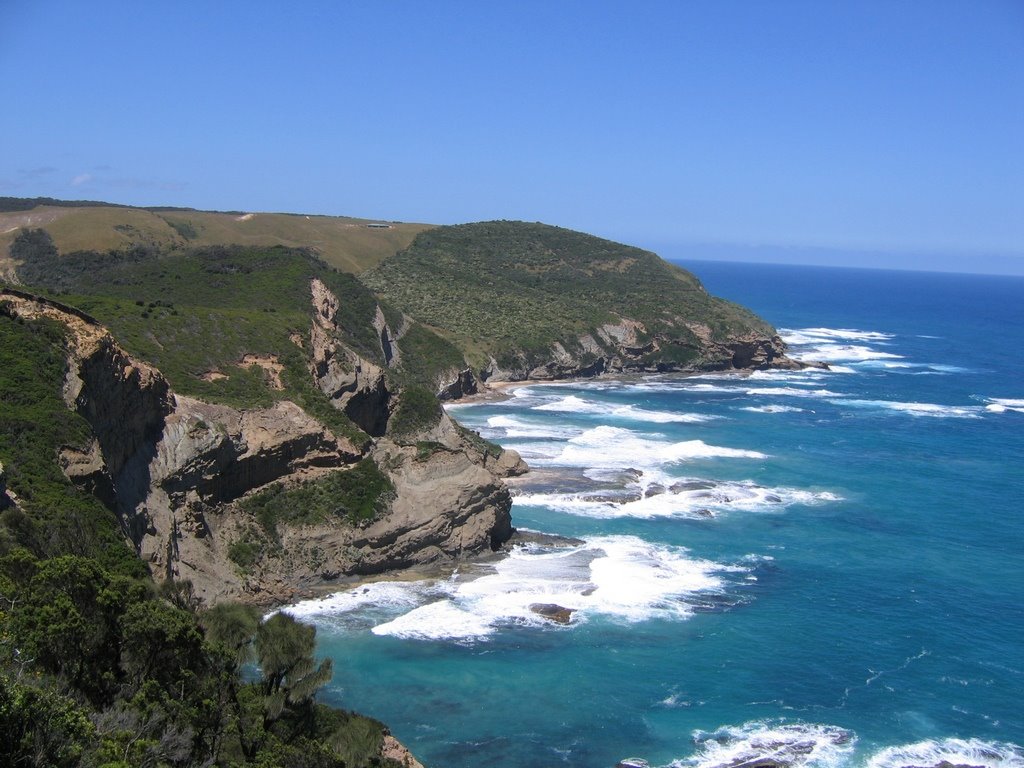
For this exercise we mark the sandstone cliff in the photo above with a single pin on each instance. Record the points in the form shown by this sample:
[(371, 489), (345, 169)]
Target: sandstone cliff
[(174, 467)]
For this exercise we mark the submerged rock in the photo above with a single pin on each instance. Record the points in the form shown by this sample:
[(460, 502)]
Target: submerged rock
[(556, 613)]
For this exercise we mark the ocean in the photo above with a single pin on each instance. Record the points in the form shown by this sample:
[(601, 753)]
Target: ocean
[(821, 568)]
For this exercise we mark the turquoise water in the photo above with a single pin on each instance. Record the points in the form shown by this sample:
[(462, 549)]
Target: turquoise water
[(824, 567)]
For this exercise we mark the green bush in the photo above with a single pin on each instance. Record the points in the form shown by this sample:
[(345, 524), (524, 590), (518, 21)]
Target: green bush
[(418, 410), (353, 496)]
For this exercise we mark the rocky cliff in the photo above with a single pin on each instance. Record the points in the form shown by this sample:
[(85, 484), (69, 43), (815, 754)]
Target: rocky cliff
[(175, 468), (627, 347)]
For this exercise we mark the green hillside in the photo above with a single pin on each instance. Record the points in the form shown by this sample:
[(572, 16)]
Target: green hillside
[(503, 288), (196, 314), (349, 244)]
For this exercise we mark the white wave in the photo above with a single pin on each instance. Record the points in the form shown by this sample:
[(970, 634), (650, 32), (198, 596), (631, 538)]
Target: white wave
[(799, 335), (1003, 404), (843, 353), (686, 498), (712, 388), (807, 376), (912, 368), (518, 428), (570, 404), (791, 744), (540, 452), (943, 368), (386, 595), (773, 409), (619, 577), (574, 404), (794, 392), (614, 447), (833, 345), (917, 409), (972, 752)]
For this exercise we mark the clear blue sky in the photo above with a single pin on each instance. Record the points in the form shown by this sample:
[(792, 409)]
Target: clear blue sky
[(829, 131)]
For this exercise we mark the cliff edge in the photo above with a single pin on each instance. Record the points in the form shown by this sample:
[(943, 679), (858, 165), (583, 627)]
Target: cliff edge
[(178, 471)]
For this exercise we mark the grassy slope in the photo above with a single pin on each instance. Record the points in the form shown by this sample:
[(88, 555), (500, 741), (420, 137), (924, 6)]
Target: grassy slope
[(498, 286), (193, 311), (345, 243)]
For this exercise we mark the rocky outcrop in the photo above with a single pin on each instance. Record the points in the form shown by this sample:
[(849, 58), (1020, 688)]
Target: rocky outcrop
[(625, 347), (354, 384), (553, 612), (471, 514), (173, 468), (463, 384), (393, 749)]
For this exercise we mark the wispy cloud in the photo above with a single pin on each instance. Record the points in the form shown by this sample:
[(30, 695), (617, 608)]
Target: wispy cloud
[(80, 179), (35, 173)]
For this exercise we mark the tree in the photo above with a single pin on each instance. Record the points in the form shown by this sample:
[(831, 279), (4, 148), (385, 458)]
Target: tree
[(284, 651), (69, 621)]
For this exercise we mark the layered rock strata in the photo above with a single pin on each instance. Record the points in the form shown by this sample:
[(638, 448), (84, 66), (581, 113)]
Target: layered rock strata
[(172, 467)]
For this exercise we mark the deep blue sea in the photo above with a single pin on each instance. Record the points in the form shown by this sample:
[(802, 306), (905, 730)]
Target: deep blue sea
[(824, 567)]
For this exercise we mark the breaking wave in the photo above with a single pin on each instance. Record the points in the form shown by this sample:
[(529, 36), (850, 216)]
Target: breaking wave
[(1003, 404), (973, 752), (614, 447), (620, 578), (810, 745), (917, 409), (690, 498), (792, 745), (574, 404)]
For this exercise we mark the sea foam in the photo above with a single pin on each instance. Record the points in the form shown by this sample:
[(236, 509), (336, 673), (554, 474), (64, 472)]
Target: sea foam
[(973, 752), (682, 498), (1003, 404), (574, 404), (789, 744), (621, 578), (916, 409), (615, 447)]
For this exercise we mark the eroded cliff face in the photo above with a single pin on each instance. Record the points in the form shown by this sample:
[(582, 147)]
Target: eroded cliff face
[(354, 384), (627, 347), (173, 468)]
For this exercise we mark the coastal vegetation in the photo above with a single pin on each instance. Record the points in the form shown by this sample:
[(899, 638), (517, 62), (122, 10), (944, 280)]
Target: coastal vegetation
[(508, 289), (98, 666)]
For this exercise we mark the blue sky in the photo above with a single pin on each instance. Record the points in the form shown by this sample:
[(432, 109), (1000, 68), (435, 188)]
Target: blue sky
[(876, 133)]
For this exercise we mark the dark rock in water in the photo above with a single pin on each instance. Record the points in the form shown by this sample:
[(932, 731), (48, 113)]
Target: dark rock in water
[(692, 485), (765, 762), (632, 762), (653, 490), (771, 497), (541, 539), (613, 498), (556, 613), (703, 512)]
